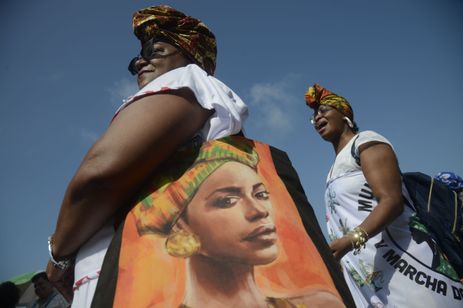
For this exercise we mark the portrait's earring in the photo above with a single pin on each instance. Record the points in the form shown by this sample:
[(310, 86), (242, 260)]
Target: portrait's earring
[(182, 244), (349, 122)]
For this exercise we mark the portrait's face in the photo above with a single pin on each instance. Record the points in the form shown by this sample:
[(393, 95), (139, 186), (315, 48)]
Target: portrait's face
[(161, 58), (231, 214)]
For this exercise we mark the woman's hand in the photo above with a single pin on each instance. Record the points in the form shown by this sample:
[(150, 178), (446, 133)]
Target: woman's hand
[(62, 280), (339, 247)]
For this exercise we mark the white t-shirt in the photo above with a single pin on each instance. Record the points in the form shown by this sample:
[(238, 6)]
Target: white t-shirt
[(345, 162)]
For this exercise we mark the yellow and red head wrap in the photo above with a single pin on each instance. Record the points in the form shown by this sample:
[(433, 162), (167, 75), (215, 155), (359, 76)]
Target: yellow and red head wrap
[(158, 212), (316, 95), (185, 32)]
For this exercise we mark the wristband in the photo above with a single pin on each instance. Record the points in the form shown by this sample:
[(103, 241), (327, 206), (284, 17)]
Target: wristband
[(63, 264)]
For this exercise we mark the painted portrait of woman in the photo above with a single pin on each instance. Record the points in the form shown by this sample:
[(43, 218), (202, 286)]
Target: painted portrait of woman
[(222, 239)]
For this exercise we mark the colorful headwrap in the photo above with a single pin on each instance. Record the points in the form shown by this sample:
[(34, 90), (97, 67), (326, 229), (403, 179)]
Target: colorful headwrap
[(159, 211), (452, 180), (317, 95), (185, 32)]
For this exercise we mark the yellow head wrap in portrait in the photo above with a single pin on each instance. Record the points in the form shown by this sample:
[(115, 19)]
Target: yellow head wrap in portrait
[(159, 211)]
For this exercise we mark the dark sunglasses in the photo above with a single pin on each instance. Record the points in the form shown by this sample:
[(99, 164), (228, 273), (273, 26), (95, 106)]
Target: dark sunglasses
[(322, 110), (148, 52)]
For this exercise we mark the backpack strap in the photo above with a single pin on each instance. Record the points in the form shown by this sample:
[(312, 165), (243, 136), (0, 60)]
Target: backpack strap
[(428, 205), (354, 153)]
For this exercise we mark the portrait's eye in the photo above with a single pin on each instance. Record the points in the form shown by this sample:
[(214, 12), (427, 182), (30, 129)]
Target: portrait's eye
[(225, 201), (262, 195)]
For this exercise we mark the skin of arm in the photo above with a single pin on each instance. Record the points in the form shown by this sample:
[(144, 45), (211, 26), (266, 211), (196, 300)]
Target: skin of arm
[(141, 137), (381, 170)]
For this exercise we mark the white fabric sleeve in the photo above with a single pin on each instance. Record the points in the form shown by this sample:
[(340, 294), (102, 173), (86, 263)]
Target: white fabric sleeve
[(230, 111), (368, 136)]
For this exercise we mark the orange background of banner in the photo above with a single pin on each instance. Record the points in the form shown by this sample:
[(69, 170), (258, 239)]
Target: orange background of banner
[(148, 276)]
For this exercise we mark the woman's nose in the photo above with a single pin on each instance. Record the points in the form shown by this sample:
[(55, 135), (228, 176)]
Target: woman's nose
[(256, 210), (140, 63), (317, 115)]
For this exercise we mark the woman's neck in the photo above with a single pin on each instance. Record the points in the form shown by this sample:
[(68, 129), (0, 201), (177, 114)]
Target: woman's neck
[(340, 142), (214, 283)]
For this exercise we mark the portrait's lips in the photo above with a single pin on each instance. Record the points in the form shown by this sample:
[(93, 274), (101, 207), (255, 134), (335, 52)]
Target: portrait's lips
[(263, 232)]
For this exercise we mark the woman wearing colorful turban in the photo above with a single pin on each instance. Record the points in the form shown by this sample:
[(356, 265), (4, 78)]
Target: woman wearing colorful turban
[(221, 191), (370, 229), (179, 101)]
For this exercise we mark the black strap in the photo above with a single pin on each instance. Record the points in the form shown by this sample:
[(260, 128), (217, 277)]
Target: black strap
[(107, 282), (354, 153), (290, 178)]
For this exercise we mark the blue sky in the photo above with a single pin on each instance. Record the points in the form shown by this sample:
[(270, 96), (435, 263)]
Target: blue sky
[(63, 74)]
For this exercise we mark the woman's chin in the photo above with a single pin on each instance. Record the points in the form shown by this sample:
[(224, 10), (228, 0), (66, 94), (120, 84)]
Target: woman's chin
[(145, 78), (265, 256), (325, 134), (141, 83)]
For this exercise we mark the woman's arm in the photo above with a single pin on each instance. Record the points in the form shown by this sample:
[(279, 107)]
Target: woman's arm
[(381, 170), (143, 135)]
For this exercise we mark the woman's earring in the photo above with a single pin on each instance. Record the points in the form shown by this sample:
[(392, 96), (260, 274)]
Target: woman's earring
[(182, 244), (349, 122)]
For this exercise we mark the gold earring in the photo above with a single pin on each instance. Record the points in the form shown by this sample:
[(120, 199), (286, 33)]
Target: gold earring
[(182, 244)]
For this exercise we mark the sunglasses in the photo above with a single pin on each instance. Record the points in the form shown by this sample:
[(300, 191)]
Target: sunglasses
[(322, 110), (147, 53)]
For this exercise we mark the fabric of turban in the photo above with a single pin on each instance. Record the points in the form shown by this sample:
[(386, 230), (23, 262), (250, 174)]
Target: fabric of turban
[(317, 95), (158, 212), (185, 32)]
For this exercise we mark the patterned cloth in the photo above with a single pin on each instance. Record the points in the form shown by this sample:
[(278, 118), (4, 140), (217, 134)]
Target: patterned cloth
[(452, 180), (162, 208), (317, 95), (186, 32)]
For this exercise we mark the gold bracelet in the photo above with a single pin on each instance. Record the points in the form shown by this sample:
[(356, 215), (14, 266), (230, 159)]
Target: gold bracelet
[(358, 238)]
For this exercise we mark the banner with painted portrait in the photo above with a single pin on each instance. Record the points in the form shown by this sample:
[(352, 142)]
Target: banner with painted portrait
[(223, 224)]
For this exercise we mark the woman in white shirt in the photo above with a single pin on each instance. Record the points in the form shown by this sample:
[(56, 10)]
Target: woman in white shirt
[(373, 232)]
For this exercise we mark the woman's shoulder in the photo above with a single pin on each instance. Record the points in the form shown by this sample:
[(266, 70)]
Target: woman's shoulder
[(229, 110), (181, 77), (190, 76), (313, 298), (370, 136), (369, 133)]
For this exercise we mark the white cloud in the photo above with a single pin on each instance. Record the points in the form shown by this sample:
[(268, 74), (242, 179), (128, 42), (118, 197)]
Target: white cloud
[(272, 105), (120, 90), (262, 93)]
